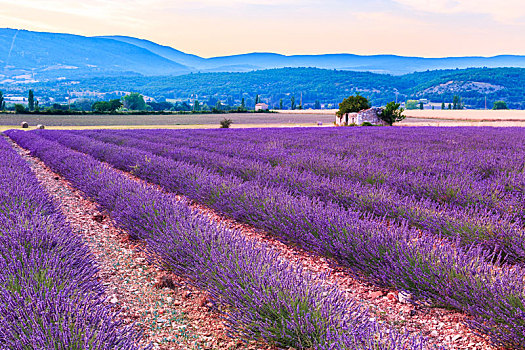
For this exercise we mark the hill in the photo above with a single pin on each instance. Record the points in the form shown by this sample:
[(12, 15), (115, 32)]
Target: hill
[(325, 86), (27, 56)]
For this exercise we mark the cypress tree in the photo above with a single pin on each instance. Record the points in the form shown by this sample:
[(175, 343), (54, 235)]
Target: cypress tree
[(31, 100)]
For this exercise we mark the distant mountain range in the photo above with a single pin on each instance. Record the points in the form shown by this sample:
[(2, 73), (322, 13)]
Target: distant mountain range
[(27, 56)]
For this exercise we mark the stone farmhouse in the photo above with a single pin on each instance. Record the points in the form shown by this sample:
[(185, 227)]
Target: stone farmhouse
[(261, 107), (370, 115)]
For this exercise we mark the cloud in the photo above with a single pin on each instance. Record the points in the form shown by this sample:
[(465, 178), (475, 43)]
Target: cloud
[(502, 11)]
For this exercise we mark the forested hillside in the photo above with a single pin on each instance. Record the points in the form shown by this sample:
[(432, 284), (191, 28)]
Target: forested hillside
[(325, 86)]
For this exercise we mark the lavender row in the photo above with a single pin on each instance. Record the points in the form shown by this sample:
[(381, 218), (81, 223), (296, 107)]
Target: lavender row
[(469, 225), (397, 257), (49, 293), (261, 296), (473, 174)]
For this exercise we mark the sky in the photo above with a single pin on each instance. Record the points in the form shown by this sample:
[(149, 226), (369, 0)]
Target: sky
[(428, 28)]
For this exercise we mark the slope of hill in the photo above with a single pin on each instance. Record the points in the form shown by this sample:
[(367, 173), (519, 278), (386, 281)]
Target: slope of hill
[(326, 86), (167, 52), (26, 55)]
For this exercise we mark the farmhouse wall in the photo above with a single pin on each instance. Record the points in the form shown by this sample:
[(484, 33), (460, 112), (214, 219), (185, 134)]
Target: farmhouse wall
[(370, 115)]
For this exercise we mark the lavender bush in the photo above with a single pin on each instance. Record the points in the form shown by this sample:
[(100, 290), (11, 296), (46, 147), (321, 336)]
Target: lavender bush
[(261, 296), (469, 225), (49, 293), (433, 270)]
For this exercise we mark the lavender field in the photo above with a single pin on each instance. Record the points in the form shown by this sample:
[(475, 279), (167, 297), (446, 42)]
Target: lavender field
[(434, 214)]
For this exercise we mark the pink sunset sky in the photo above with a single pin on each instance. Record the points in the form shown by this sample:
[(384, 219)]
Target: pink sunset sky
[(432, 28)]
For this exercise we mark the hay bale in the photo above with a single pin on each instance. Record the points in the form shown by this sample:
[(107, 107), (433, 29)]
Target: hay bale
[(40, 126), (25, 125)]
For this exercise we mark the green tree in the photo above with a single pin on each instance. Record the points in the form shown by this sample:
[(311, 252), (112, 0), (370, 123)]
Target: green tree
[(421, 106), (196, 105), (281, 104), (456, 102), (392, 113), (19, 108), (411, 104), (115, 104), (449, 106), (31, 100), (37, 108), (243, 103), (82, 104), (353, 104), (292, 100), (106, 106), (442, 105), (500, 105), (134, 101), (317, 104), (257, 99), (2, 106)]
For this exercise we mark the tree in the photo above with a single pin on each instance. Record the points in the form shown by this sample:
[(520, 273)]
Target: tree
[(19, 108), (115, 104), (317, 104), (160, 106), (392, 113), (411, 104), (196, 105), (449, 106), (243, 104), (37, 108), (421, 106), (292, 100), (257, 99), (456, 102), (353, 104), (82, 105), (106, 106), (2, 106), (500, 105), (134, 101), (442, 105), (281, 104), (31, 100)]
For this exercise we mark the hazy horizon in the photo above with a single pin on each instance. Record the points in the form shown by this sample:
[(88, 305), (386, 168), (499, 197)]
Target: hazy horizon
[(209, 28)]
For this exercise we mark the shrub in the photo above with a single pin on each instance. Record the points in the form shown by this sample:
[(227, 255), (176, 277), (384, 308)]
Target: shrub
[(226, 123), (500, 105)]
